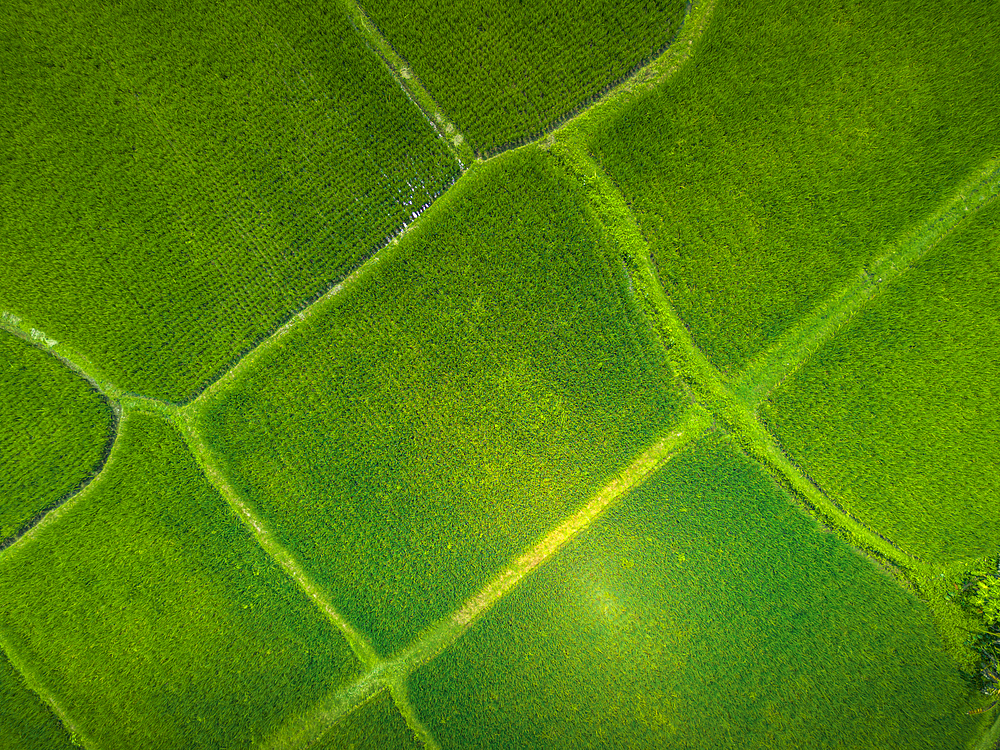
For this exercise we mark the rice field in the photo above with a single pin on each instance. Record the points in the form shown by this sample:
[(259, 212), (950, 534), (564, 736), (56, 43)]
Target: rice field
[(635, 391)]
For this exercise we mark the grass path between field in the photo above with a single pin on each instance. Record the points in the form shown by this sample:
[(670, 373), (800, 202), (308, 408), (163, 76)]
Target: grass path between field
[(391, 673), (619, 226), (771, 367), (411, 85)]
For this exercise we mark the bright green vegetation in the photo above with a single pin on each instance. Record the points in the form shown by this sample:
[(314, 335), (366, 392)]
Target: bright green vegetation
[(797, 145), (705, 611), (177, 179), (505, 72), (25, 722), (148, 612), (54, 430), (377, 725), (447, 410), (897, 417)]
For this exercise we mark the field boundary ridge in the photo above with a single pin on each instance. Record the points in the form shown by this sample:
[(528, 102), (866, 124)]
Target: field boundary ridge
[(13, 324), (411, 85), (619, 227), (391, 673), (216, 477), (779, 361)]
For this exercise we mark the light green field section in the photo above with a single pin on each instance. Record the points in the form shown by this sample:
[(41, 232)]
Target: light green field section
[(705, 611), (25, 722), (177, 179), (377, 725), (898, 418), (147, 612), (798, 144), (450, 407), (506, 71), (54, 430)]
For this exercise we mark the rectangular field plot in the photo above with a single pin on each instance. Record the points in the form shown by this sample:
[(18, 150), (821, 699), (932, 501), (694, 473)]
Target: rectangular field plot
[(152, 617), (26, 723), (898, 417), (800, 141), (506, 71), (442, 413), (704, 611), (54, 430), (177, 179)]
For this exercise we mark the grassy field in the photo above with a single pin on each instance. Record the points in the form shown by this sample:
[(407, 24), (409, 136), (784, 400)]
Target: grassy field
[(897, 416), (54, 429), (484, 379), (176, 180), (26, 723), (676, 429), (705, 611), (802, 138), (149, 613), (507, 71)]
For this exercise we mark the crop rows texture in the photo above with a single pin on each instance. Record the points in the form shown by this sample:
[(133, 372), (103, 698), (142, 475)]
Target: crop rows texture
[(177, 179), (704, 611), (26, 723), (800, 141), (507, 71), (898, 416), (487, 378), (54, 430), (153, 618)]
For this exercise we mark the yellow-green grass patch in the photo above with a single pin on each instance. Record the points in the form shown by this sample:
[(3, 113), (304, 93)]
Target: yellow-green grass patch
[(704, 611)]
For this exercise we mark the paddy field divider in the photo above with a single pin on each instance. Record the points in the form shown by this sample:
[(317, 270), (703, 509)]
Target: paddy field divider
[(411, 85), (618, 225), (391, 673)]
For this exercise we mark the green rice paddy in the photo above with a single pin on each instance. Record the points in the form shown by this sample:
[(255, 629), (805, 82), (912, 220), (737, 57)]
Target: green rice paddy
[(704, 611), (802, 138), (54, 427), (674, 429), (146, 611), (896, 416), (458, 401), (176, 180), (25, 720)]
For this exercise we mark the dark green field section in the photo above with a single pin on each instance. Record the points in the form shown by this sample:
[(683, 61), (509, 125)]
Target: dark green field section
[(54, 431), (898, 418), (149, 613), (176, 179), (447, 411), (377, 725), (26, 723), (506, 71), (705, 611), (798, 143)]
